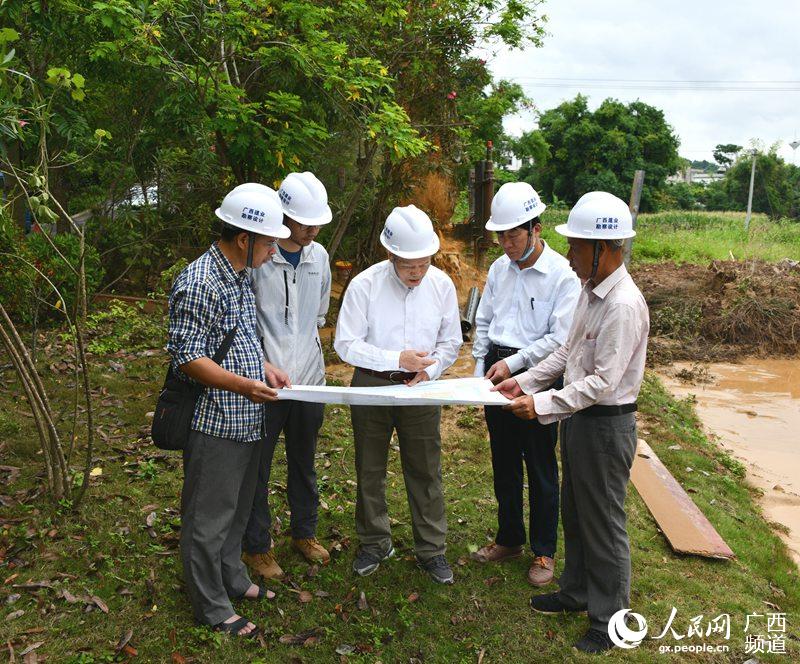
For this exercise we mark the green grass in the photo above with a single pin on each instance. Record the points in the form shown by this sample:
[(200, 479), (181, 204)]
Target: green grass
[(107, 550), (697, 237)]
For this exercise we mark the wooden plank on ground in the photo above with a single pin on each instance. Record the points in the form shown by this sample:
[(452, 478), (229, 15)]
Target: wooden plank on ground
[(686, 528)]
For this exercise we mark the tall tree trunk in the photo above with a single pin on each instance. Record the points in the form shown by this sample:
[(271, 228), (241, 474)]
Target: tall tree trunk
[(355, 195)]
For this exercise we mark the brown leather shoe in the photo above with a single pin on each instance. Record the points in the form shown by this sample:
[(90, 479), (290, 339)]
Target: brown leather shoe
[(312, 550), (263, 564), (494, 553), (541, 571)]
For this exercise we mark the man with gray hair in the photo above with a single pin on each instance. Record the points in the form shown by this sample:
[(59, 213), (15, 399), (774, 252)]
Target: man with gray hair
[(603, 364), (399, 323)]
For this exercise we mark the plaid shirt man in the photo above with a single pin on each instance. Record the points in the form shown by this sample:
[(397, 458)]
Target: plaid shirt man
[(203, 307)]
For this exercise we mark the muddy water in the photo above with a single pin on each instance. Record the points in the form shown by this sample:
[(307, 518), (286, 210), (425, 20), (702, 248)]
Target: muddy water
[(754, 410)]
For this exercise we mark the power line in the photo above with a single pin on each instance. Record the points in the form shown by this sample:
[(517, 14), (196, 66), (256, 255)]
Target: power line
[(652, 80), (664, 88)]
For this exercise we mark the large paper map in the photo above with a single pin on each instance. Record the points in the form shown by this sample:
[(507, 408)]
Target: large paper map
[(471, 391)]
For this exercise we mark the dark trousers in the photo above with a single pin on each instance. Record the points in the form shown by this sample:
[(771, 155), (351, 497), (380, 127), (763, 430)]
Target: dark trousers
[(596, 458), (219, 477), (300, 423), (515, 442)]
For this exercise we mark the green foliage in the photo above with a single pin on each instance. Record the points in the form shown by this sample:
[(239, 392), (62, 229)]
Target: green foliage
[(125, 327), (32, 272), (725, 153), (579, 150), (776, 189), (8, 426), (61, 273)]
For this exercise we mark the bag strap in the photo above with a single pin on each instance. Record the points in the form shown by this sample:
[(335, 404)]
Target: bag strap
[(227, 342)]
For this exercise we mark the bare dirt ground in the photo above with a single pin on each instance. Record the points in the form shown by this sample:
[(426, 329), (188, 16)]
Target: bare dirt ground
[(721, 311)]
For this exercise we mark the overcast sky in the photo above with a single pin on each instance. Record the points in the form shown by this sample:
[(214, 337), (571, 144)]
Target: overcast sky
[(751, 44)]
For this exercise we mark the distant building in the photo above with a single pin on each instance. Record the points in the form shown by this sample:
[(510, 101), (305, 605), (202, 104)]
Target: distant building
[(696, 176)]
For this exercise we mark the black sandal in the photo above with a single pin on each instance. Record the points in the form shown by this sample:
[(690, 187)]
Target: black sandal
[(234, 627), (262, 593)]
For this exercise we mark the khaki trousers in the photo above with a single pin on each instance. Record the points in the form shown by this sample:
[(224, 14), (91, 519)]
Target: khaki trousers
[(420, 455)]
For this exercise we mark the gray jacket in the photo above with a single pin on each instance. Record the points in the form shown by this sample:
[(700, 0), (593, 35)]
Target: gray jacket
[(291, 306)]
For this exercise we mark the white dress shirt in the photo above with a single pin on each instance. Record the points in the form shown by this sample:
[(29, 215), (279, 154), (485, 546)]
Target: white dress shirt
[(381, 316), (603, 358), (529, 309)]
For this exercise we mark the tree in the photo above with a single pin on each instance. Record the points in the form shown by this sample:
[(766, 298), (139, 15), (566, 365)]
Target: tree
[(776, 189), (36, 103), (725, 153), (588, 150)]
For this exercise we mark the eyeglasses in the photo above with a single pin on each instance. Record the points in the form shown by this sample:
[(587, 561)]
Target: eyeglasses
[(513, 234), (410, 267)]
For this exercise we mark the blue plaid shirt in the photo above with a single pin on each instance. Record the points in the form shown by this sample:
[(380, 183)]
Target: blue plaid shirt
[(203, 308)]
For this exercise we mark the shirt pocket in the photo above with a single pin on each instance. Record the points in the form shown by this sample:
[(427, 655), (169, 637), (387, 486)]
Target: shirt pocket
[(587, 355), (537, 320), (430, 320)]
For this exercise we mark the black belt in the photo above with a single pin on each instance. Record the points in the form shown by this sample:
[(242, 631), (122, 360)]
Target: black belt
[(502, 352), (393, 376), (607, 411)]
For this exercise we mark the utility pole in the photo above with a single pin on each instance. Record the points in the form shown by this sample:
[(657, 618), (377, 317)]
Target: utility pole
[(636, 197), (750, 193)]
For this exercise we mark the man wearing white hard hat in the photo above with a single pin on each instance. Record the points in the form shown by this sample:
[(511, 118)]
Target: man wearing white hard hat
[(212, 314), (292, 295), (603, 365), (524, 315), (399, 323)]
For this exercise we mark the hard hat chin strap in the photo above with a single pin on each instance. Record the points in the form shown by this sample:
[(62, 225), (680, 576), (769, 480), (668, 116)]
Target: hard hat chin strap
[(530, 247), (251, 238), (595, 261)]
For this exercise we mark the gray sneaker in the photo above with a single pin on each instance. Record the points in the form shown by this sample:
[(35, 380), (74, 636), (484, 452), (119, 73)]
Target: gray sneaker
[(367, 561), (437, 568)]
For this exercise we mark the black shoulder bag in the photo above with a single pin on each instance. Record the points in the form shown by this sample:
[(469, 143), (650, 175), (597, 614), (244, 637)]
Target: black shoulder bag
[(172, 420)]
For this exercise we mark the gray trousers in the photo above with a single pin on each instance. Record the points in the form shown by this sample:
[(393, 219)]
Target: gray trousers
[(219, 478), (596, 458), (420, 455)]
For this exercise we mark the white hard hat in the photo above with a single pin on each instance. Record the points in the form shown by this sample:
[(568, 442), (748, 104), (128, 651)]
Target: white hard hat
[(514, 204), (599, 215), (304, 199), (255, 208), (408, 233)]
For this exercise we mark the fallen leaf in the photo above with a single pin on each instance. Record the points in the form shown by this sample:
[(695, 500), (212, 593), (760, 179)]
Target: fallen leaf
[(345, 649), (481, 655), (177, 658), (492, 580), (123, 640), (33, 585), (96, 472), (413, 597), (362, 602), (321, 593), (31, 648), (304, 596), (151, 519), (68, 596), (99, 603), (15, 614), (130, 651)]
